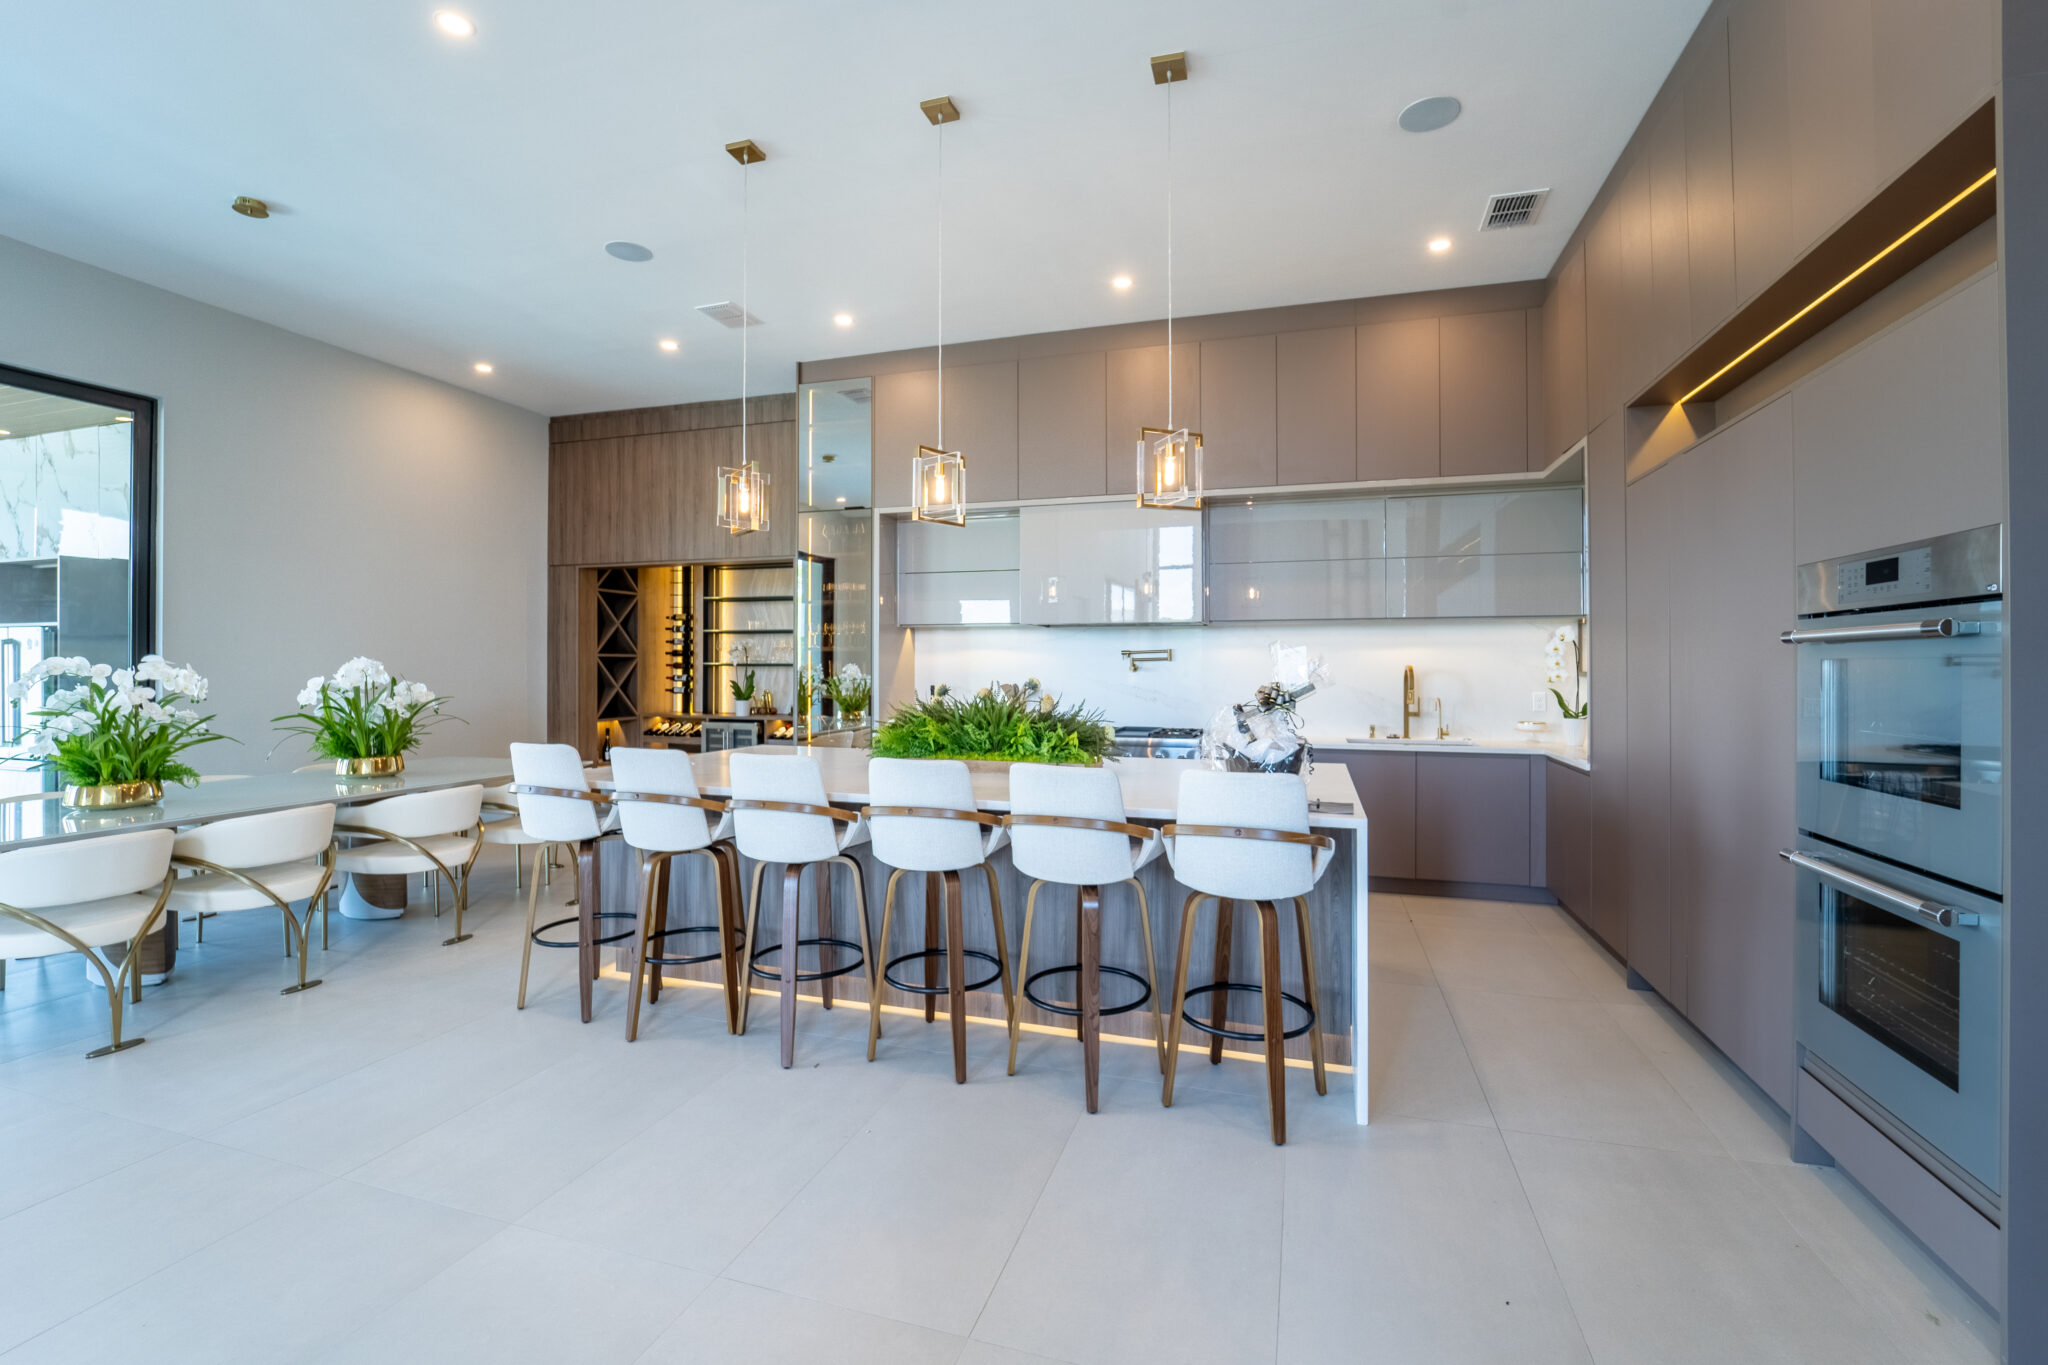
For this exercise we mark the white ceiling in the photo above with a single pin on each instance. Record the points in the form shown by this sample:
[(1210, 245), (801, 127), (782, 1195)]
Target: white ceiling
[(442, 201)]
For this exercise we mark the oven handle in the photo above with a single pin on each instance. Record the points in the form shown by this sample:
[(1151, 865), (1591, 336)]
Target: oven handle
[(1941, 628), (1934, 912)]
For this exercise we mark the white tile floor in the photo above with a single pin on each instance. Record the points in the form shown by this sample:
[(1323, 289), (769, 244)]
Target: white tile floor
[(399, 1166)]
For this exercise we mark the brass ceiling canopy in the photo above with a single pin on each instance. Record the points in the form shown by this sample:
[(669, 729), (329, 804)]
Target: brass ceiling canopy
[(941, 110), (250, 208), (1173, 66), (746, 152)]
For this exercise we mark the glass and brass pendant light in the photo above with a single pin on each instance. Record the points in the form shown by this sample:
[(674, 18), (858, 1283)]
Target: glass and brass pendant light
[(1169, 457), (743, 488), (938, 477)]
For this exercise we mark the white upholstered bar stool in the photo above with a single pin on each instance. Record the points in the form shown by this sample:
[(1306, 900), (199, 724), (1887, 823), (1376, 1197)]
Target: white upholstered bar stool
[(780, 815), (924, 820), (502, 828), (255, 861), (1067, 828), (418, 832), (74, 897), (557, 806), (1245, 836), (662, 818)]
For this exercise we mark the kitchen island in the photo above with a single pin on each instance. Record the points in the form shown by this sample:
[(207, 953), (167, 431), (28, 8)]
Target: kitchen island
[(1337, 909)]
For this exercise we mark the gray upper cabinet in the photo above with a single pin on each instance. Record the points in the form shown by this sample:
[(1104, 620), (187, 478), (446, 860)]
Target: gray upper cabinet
[(1398, 399), (1636, 357), (1240, 427), (1934, 64), (1472, 818), (1670, 274), (905, 408), (1483, 407), (957, 575), (1535, 436), (1309, 560), (1603, 316), (1110, 563), (981, 423), (1318, 406), (1564, 360), (1832, 109), (1759, 103), (1709, 180), (1137, 399), (1062, 406)]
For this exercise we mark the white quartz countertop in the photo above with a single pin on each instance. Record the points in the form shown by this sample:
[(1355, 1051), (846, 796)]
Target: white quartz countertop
[(1150, 784), (1556, 753)]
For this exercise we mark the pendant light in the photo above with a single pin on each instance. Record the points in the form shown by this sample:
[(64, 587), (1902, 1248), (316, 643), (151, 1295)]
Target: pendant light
[(743, 488), (938, 477), (1169, 457)]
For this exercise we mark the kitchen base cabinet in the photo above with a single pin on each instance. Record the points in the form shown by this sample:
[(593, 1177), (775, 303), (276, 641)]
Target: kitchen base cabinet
[(1386, 794), (1567, 843), (1461, 823), (1472, 818)]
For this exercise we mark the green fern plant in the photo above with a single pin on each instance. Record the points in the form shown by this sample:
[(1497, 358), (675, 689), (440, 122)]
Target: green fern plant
[(1003, 722)]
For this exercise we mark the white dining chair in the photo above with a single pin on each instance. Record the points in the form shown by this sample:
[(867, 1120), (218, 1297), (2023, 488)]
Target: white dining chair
[(254, 861), (662, 817), (503, 829), (1245, 836), (77, 896), (435, 831), (924, 820), (557, 806), (1067, 828), (780, 815)]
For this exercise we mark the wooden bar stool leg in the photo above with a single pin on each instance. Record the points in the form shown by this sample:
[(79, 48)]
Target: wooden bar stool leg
[(1276, 1042), (586, 922), (659, 907), (1219, 1001), (747, 946), (1023, 968), (1313, 992), (792, 883), (870, 961), (1088, 933), (956, 975), (934, 908), (725, 880), (828, 956), (1180, 995), (526, 947), (880, 963), (649, 880), (995, 912), (1151, 974)]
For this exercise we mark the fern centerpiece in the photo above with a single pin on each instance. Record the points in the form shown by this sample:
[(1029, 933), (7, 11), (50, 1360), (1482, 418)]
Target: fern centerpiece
[(1002, 723)]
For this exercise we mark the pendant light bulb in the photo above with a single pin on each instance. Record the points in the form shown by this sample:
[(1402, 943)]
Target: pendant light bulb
[(743, 488)]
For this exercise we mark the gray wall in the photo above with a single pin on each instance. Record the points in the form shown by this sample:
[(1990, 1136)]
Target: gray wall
[(313, 504)]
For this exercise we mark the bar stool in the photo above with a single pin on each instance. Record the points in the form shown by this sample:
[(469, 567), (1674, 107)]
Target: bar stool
[(422, 832), (557, 806), (780, 815), (663, 818), (924, 820), (72, 897), (256, 861), (502, 827), (1245, 836), (1067, 828)]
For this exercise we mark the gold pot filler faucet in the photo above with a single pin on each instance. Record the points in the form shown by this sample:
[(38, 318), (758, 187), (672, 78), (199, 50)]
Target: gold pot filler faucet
[(1411, 701)]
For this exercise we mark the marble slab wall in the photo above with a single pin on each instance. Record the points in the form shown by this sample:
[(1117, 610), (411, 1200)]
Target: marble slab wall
[(81, 471)]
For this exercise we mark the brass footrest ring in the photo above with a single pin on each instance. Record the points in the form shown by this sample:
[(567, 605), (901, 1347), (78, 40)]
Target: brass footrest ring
[(1144, 991), (857, 964), (946, 989), (1247, 1035)]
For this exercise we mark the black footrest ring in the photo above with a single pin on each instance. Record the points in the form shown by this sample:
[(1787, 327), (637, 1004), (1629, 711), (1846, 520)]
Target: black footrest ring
[(620, 937), (652, 959), (1248, 1035), (858, 960), (946, 989), (1144, 986)]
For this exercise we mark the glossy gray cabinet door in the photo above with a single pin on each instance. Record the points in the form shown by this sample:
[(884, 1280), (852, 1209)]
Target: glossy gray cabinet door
[(1398, 381), (983, 543), (1249, 532), (957, 575), (1299, 590), (1386, 794), (1472, 818), (1318, 406), (1483, 404), (1110, 563), (1485, 585), (1654, 944), (1532, 521), (1061, 406)]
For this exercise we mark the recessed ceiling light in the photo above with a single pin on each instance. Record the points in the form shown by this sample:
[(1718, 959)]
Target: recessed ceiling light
[(1426, 116), (6, 433), (841, 500), (1439, 244), (842, 319), (250, 208), (483, 367), (455, 25), (628, 251), (667, 343), (1121, 282), (124, 417)]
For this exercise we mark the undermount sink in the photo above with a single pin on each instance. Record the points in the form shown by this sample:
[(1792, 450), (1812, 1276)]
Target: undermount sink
[(1396, 739)]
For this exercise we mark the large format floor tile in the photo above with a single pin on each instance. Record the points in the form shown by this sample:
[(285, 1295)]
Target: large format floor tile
[(732, 1321)]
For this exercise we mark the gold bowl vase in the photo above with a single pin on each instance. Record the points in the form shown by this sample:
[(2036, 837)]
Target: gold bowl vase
[(380, 765), (113, 795)]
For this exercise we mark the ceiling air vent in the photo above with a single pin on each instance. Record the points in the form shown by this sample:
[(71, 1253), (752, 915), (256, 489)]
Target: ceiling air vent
[(1512, 210), (727, 314), (862, 394)]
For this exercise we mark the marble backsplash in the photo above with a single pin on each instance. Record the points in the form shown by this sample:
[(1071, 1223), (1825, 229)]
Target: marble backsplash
[(83, 472)]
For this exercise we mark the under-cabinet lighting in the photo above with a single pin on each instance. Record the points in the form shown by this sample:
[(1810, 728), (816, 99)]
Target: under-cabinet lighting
[(1842, 283)]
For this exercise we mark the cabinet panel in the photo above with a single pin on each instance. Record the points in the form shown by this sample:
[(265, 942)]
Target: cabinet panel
[(1483, 405), (1533, 521), (1833, 112), (1472, 818), (1397, 399), (1604, 323), (1564, 359), (986, 598), (1107, 563), (1484, 585), (1318, 406), (1567, 797), (1935, 65), (981, 423), (906, 405), (1651, 935), (1760, 135), (1606, 659), (1636, 356), (1386, 796), (1535, 436), (1709, 184), (1240, 430), (1137, 399), (1299, 590), (1268, 532), (1670, 279), (1062, 411), (983, 544)]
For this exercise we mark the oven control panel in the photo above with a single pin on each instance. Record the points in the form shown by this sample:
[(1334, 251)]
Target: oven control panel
[(1905, 577), (1961, 566)]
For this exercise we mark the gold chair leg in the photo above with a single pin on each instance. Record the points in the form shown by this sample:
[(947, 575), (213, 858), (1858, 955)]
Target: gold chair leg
[(877, 985), (1313, 992), (1152, 972), (532, 908), (747, 947), (1276, 1043), (116, 988), (1023, 967), (1180, 995)]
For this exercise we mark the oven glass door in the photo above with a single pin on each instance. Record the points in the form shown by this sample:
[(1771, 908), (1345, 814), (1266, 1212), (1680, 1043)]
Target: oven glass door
[(1905, 1009), (1899, 745)]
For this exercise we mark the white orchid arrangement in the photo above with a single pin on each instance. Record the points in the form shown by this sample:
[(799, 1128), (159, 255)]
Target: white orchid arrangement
[(116, 725), (1561, 666), (364, 712), (851, 691)]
